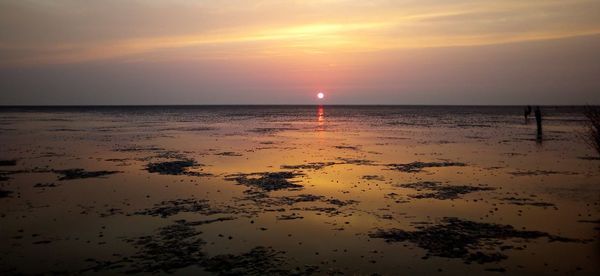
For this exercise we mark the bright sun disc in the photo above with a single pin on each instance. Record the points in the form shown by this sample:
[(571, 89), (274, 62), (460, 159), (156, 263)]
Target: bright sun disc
[(320, 95)]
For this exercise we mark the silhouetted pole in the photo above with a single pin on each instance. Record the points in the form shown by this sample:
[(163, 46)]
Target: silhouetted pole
[(538, 120)]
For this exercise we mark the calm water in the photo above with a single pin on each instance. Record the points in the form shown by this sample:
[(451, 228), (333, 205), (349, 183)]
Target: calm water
[(297, 189)]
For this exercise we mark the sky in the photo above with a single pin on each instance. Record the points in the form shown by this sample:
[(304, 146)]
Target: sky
[(73, 52)]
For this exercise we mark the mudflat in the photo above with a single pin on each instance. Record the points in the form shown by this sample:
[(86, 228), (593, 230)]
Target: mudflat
[(300, 190)]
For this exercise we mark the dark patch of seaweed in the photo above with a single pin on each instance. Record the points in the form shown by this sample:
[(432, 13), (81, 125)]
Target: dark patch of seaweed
[(269, 181), (526, 201), (5, 193), (540, 172), (174, 247), (206, 221), (353, 161), (467, 240), (258, 261), (173, 207), (179, 167), (291, 216), (416, 167), (7, 163), (179, 246), (45, 185), (308, 166), (228, 153), (270, 130), (373, 177), (442, 192), (265, 203), (70, 174), (590, 158), (347, 147), (139, 149)]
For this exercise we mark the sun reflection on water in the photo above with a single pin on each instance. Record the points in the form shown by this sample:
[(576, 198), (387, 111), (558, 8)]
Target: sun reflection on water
[(320, 118)]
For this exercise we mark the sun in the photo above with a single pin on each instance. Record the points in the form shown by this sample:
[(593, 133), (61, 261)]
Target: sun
[(320, 95)]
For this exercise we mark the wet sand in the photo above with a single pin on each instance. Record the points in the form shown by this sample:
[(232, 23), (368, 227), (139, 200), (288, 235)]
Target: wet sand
[(296, 190)]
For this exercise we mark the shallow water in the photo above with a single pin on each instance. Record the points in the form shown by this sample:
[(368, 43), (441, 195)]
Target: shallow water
[(463, 189)]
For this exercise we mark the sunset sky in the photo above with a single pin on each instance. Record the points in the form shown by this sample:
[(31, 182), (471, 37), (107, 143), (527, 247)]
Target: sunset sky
[(283, 52)]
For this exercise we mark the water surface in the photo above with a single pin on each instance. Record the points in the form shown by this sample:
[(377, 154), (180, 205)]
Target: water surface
[(296, 189)]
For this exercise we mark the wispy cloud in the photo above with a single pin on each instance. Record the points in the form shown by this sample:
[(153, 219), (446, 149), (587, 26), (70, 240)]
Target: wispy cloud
[(54, 32)]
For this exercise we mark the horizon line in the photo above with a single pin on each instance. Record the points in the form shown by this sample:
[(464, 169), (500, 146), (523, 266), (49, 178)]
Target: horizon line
[(234, 104)]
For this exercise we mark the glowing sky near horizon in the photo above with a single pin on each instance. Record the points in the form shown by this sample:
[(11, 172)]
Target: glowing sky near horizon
[(383, 51)]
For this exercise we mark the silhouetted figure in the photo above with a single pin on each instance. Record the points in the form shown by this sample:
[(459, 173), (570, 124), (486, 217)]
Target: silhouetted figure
[(526, 113), (538, 121)]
